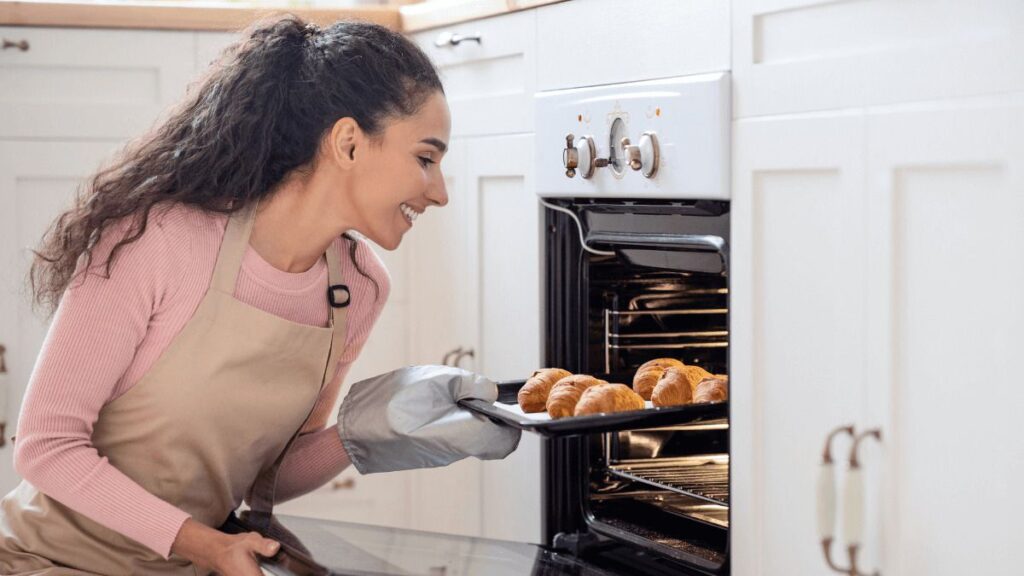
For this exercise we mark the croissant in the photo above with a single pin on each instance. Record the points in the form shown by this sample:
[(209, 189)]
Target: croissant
[(566, 393), (533, 396), (714, 389), (672, 389), (647, 375), (608, 398)]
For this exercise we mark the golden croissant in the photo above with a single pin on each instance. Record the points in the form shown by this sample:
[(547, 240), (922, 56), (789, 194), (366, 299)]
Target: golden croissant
[(672, 389), (604, 398), (714, 389), (533, 396), (647, 375), (566, 393)]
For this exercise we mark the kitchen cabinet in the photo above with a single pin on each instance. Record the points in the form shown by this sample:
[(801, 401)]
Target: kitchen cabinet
[(802, 55), (876, 266), (797, 315), (90, 84), (475, 270), (475, 267)]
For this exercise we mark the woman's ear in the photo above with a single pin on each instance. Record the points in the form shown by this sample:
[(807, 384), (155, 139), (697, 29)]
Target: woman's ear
[(343, 140)]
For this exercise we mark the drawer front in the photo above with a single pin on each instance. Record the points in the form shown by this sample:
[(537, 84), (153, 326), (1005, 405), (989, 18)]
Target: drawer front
[(807, 55), (611, 41), (490, 83), (84, 83)]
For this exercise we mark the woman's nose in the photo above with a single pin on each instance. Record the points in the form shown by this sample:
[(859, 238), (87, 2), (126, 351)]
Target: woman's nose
[(438, 192)]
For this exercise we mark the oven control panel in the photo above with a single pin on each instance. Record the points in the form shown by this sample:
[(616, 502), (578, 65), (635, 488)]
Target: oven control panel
[(655, 139)]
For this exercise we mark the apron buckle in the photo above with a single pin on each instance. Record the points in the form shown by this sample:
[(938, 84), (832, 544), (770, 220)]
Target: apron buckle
[(332, 296)]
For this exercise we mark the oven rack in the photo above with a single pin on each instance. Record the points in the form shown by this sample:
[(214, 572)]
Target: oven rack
[(670, 340), (705, 478)]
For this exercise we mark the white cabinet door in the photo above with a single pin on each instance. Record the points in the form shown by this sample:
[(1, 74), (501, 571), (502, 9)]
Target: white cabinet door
[(38, 181), (803, 55), (505, 215), (797, 325), (443, 319), (946, 230), (80, 83)]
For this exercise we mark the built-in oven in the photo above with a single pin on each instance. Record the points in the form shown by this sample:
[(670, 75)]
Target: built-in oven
[(634, 181)]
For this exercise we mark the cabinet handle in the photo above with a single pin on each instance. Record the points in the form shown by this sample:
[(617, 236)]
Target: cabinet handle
[(853, 502), (827, 498), (449, 39), (446, 361), (458, 358), (22, 45), (3, 396), (346, 484)]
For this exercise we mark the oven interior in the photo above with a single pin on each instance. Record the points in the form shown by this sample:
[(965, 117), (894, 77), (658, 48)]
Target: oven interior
[(665, 490)]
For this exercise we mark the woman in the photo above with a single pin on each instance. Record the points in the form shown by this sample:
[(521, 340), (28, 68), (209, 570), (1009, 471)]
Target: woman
[(210, 298)]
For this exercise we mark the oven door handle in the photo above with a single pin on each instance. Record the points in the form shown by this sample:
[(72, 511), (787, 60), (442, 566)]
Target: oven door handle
[(691, 242)]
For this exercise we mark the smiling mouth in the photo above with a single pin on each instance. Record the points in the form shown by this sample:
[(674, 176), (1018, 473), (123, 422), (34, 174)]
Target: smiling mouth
[(409, 213)]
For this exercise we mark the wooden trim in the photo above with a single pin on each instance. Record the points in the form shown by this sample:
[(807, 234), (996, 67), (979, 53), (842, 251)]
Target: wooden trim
[(434, 13), (173, 15)]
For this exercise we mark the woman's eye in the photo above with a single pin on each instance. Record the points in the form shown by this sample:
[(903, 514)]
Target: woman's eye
[(425, 161)]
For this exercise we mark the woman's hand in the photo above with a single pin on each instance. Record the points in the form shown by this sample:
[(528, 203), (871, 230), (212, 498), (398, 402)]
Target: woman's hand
[(225, 554)]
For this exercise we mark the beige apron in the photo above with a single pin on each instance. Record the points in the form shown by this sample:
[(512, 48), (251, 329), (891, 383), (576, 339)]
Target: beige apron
[(211, 419)]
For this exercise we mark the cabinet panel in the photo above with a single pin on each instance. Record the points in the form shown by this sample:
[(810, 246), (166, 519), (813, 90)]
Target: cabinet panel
[(506, 219), (803, 55), (609, 41), (38, 180), (946, 229), (81, 83), (796, 325), (490, 83)]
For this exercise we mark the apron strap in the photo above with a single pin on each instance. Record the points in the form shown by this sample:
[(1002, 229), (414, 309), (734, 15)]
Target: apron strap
[(232, 249), (261, 498)]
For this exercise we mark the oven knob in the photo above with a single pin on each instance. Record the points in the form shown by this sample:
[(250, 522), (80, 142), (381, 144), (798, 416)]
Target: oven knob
[(583, 155), (645, 156), (570, 157)]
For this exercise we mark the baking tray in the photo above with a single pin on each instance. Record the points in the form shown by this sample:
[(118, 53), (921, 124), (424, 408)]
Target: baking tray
[(506, 411)]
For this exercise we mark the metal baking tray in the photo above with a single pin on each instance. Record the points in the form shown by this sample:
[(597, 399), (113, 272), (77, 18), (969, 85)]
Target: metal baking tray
[(506, 411)]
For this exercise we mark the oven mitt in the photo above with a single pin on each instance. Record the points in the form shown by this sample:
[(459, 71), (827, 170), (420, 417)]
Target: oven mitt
[(409, 418)]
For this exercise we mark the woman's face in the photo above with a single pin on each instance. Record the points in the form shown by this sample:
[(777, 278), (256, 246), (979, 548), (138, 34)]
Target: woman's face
[(397, 174)]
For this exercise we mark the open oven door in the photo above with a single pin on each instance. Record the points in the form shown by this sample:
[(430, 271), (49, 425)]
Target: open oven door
[(311, 546)]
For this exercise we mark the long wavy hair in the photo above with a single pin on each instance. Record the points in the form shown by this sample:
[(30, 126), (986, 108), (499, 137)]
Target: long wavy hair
[(257, 115)]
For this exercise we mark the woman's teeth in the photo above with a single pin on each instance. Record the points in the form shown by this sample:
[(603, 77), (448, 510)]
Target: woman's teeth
[(409, 213)]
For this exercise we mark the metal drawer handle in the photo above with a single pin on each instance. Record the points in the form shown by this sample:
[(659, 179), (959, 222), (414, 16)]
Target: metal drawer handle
[(447, 360), (458, 358), (447, 39), (853, 503), (3, 400), (23, 45), (827, 499)]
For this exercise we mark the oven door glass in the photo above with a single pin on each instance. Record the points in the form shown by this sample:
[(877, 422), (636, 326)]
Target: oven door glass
[(323, 547)]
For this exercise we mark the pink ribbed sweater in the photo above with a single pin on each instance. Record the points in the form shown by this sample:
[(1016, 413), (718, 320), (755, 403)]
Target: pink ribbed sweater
[(107, 333)]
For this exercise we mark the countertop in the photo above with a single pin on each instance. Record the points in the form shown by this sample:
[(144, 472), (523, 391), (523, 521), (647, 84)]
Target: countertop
[(214, 15)]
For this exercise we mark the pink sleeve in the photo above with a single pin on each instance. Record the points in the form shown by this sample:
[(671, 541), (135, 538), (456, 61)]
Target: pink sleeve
[(90, 344), (318, 456)]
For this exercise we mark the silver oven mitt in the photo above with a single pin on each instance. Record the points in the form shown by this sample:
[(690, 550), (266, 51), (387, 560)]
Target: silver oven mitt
[(409, 419)]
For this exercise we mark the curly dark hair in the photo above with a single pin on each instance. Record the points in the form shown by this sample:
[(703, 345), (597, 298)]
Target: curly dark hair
[(257, 114)]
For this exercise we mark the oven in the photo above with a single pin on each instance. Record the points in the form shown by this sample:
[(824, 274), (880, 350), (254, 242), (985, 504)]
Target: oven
[(633, 180)]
